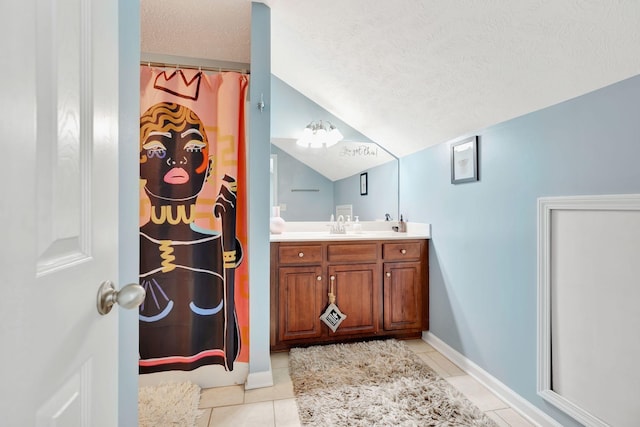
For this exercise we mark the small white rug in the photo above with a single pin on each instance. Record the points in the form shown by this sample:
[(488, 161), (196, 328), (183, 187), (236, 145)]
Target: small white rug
[(376, 383), (169, 405)]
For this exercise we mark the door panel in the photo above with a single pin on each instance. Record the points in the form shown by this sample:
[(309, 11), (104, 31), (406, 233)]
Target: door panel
[(69, 406), (64, 134), (59, 218)]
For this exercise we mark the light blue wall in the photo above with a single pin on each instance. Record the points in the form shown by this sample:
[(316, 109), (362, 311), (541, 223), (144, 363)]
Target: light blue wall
[(128, 185), (382, 193), (259, 123), (483, 247), (302, 205)]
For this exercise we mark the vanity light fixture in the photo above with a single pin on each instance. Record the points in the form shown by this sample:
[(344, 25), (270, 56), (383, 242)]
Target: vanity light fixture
[(319, 134)]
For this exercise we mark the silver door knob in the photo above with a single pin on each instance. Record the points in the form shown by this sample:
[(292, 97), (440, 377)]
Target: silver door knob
[(130, 296)]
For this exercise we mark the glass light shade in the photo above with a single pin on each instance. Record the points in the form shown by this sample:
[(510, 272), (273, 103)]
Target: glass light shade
[(319, 138), (334, 136), (315, 135), (305, 139)]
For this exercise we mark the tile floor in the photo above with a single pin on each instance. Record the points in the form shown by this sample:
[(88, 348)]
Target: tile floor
[(276, 407)]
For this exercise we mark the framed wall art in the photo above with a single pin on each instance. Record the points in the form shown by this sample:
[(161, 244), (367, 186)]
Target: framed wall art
[(464, 160), (364, 184)]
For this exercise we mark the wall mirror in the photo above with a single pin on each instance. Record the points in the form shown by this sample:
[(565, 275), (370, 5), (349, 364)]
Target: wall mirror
[(311, 184), (308, 183)]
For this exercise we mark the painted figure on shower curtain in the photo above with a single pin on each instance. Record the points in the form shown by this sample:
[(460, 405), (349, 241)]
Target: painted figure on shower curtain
[(188, 318)]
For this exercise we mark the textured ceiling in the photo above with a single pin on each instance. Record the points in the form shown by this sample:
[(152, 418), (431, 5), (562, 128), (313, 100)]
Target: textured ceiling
[(207, 29), (412, 73)]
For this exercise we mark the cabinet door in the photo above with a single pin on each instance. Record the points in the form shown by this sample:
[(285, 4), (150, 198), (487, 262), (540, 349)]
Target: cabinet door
[(402, 295), (357, 290), (301, 296)]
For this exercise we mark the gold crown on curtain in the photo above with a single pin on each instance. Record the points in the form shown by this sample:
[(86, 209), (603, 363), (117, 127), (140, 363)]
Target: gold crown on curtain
[(184, 88)]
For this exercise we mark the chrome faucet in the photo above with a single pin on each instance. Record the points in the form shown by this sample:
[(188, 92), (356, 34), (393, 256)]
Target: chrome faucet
[(338, 226)]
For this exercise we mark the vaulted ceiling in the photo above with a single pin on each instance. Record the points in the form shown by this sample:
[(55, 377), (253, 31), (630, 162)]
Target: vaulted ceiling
[(409, 74)]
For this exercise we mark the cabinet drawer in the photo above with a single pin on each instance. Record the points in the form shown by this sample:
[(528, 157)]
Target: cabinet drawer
[(401, 251), (366, 252), (300, 254)]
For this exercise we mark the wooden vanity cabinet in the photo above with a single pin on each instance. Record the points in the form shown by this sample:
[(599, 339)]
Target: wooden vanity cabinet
[(301, 296), (381, 286), (405, 298), (301, 291), (356, 288)]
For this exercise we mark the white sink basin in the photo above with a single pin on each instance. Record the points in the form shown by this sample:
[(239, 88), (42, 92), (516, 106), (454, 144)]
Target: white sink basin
[(298, 236), (372, 230)]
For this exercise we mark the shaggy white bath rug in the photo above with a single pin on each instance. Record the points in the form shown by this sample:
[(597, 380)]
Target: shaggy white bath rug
[(169, 405), (375, 383)]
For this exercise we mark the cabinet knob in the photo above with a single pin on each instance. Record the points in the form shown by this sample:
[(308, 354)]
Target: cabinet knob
[(332, 278), (388, 274), (300, 254), (403, 251), (319, 278)]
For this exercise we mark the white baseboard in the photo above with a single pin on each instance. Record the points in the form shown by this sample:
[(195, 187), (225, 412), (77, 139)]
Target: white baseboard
[(259, 380), (515, 401)]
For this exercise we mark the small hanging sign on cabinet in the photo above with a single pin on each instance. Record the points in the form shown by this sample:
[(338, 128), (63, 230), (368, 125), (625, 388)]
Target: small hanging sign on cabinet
[(332, 316)]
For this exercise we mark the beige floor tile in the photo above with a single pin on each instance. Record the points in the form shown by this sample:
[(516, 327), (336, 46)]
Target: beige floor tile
[(286, 413), (495, 417), (281, 375), (222, 396), (280, 360), (249, 415), (282, 391), (203, 419), (418, 346), (476, 393), (276, 407), (426, 357), (512, 418), (446, 364), (282, 388)]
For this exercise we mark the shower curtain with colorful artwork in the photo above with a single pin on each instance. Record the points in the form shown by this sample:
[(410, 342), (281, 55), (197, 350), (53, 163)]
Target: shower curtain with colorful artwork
[(193, 220)]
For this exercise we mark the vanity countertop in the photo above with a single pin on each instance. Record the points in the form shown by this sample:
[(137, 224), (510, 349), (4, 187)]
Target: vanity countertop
[(294, 233)]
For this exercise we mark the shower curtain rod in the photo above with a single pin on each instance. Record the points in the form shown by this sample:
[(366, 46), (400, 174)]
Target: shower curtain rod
[(194, 67), (191, 63)]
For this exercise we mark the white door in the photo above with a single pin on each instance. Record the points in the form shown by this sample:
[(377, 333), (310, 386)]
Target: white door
[(58, 183)]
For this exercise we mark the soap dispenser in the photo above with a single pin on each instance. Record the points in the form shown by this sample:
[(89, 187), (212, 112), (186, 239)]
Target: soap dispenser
[(357, 227), (402, 225), (276, 223)]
